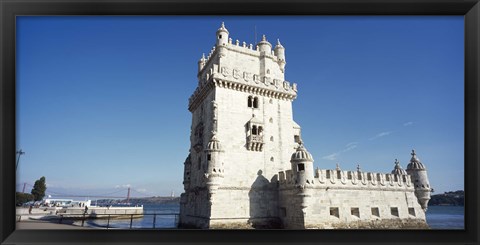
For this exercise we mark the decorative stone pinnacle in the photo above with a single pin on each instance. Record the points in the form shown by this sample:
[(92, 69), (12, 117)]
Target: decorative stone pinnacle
[(278, 41), (358, 167), (264, 38), (223, 24), (203, 56), (338, 167), (397, 162), (413, 153)]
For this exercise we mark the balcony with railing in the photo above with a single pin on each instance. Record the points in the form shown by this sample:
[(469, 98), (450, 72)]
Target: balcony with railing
[(255, 142)]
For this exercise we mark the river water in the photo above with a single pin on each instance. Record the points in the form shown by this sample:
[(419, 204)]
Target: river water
[(438, 217)]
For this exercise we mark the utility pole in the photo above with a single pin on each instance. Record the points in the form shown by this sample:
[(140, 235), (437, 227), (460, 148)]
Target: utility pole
[(128, 195), (20, 152)]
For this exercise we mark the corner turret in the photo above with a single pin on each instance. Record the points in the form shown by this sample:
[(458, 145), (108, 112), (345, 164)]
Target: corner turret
[(264, 45), (279, 51), (420, 180), (201, 63), (214, 164), (302, 166), (222, 36), (186, 173), (398, 170)]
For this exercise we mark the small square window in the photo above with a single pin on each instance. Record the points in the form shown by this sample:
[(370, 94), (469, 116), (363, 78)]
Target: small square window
[(394, 211), (296, 138), (301, 167), (355, 212), (334, 212), (411, 211), (209, 157), (375, 212)]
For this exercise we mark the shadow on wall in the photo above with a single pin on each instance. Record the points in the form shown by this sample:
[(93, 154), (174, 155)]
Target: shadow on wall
[(260, 196)]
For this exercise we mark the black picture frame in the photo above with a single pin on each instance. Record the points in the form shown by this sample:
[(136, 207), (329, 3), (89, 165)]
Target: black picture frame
[(470, 9)]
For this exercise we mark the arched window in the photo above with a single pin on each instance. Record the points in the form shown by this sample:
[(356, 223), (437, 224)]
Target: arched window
[(254, 130), (250, 101), (271, 138), (255, 102), (260, 130)]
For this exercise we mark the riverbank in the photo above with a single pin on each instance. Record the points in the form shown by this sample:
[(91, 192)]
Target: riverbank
[(46, 225)]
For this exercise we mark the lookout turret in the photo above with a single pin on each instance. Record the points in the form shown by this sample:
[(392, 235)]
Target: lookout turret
[(398, 170), (264, 45), (201, 63), (214, 172), (279, 51), (222, 35), (302, 165), (420, 180)]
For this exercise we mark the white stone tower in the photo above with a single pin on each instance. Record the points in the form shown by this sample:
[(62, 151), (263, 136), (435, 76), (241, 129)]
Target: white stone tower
[(420, 180), (242, 135)]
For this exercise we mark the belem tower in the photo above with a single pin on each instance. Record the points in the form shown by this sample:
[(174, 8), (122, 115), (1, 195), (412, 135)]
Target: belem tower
[(248, 166)]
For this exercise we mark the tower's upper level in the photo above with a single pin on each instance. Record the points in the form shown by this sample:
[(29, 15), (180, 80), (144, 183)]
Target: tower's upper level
[(243, 66)]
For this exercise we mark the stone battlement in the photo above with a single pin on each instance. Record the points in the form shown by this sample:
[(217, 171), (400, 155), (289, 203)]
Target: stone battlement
[(236, 79), (243, 48), (354, 179)]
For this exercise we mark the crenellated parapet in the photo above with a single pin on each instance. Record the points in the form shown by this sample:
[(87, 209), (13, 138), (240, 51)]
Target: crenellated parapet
[(341, 179), (261, 50)]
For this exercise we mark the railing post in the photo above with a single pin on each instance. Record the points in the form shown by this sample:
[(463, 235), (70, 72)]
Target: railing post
[(108, 221), (131, 220), (154, 220)]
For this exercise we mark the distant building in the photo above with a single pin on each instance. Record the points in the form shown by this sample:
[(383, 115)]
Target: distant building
[(248, 166), (55, 202)]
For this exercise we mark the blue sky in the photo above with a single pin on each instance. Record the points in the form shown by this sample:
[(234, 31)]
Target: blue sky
[(102, 101)]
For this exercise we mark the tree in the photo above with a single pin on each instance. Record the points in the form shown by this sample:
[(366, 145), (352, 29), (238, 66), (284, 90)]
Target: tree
[(22, 198), (39, 189)]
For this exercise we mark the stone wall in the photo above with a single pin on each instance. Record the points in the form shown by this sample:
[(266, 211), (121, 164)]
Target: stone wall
[(337, 206)]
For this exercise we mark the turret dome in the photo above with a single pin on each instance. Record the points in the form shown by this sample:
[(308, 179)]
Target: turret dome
[(222, 37), (264, 45), (398, 169), (279, 45), (214, 144), (222, 29), (415, 162), (301, 154)]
